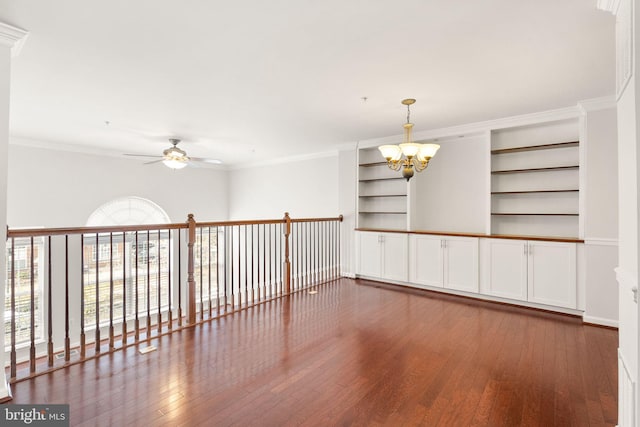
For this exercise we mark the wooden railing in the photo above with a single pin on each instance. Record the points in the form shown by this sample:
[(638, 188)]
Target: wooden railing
[(76, 293)]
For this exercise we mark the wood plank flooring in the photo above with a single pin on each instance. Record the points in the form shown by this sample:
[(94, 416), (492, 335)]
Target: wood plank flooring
[(356, 353)]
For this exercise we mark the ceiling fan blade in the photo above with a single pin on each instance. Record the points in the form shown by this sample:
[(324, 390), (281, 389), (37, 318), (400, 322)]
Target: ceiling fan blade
[(140, 155), (152, 162), (205, 160)]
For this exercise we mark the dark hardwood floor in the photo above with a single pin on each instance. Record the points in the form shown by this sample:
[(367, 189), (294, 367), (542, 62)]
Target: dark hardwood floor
[(355, 353)]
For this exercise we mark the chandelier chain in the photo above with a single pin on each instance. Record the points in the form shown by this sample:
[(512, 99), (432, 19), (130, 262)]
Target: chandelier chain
[(408, 113)]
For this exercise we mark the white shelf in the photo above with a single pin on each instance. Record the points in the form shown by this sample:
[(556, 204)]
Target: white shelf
[(382, 193), (535, 180)]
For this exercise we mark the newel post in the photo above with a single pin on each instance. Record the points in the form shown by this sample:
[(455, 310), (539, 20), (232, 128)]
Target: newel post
[(287, 262), (191, 283)]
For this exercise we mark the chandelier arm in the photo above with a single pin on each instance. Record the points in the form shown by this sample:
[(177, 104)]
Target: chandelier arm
[(394, 165), (420, 165)]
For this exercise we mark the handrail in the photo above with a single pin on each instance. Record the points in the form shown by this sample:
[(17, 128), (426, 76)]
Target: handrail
[(127, 284), (59, 231), (338, 218), (37, 232)]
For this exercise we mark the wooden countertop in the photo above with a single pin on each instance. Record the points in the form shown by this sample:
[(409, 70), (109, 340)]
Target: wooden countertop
[(486, 236)]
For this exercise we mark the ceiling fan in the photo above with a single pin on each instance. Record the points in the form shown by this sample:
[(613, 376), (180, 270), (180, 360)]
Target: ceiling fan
[(175, 158)]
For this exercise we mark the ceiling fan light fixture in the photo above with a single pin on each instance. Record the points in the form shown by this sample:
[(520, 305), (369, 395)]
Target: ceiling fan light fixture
[(176, 162), (175, 158), (174, 152)]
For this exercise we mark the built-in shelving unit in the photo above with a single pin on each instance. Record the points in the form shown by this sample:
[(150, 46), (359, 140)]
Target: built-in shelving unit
[(535, 186), (382, 193), (534, 190), (535, 179)]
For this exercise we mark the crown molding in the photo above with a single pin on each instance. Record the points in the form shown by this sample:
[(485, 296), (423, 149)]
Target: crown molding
[(608, 5), (283, 160), (82, 149), (480, 128), (58, 146), (12, 37), (348, 146), (597, 104)]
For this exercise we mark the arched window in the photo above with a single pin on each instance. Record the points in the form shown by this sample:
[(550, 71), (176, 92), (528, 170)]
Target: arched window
[(119, 262), (128, 211)]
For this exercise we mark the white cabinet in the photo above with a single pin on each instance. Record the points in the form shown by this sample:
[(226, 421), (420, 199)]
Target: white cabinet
[(444, 261), (535, 271), (552, 273), (369, 254), (505, 274), (425, 262), (383, 255)]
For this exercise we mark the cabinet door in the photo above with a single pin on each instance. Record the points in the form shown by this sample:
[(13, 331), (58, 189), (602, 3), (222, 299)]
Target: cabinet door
[(425, 263), (461, 263), (395, 260), (369, 254), (505, 273), (552, 273)]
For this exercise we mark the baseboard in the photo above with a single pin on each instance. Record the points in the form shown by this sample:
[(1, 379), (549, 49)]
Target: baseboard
[(600, 321), (480, 297), (348, 275), (8, 397)]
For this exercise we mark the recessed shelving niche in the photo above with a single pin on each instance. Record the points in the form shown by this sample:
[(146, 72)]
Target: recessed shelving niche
[(535, 180), (382, 193)]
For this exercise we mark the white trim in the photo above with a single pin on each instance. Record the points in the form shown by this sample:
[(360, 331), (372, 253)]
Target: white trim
[(599, 321), (625, 279), (583, 138), (597, 241), (597, 104), (12, 37), (626, 394), (479, 127), (347, 146), (625, 55), (289, 159), (608, 5), (487, 213), (348, 275), (88, 150), (477, 296)]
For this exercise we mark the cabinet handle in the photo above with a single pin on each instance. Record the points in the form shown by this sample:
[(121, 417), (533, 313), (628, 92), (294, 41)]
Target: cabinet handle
[(525, 249), (530, 250), (635, 293)]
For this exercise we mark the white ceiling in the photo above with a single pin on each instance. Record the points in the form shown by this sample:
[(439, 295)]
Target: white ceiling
[(255, 79)]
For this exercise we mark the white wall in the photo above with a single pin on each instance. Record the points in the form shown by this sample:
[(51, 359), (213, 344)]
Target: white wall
[(600, 193), (601, 180), (52, 188), (305, 188), (347, 206), (452, 194)]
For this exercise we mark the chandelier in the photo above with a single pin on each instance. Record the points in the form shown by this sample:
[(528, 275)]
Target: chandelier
[(409, 155)]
